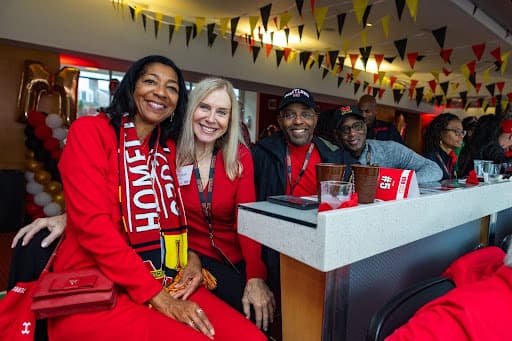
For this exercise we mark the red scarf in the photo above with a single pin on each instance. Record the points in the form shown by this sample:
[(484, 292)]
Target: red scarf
[(153, 215)]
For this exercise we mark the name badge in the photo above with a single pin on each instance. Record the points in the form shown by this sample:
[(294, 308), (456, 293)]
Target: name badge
[(184, 175)]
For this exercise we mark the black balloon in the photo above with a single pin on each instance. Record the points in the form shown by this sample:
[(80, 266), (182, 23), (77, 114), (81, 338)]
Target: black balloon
[(29, 131), (34, 144), (42, 155)]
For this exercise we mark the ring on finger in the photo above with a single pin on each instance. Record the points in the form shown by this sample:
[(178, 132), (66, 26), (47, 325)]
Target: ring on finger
[(199, 311), (191, 323)]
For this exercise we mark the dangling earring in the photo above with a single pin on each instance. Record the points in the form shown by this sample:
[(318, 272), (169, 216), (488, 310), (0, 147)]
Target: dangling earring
[(171, 117)]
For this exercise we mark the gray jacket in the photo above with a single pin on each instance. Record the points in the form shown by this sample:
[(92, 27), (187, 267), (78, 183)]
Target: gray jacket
[(391, 154)]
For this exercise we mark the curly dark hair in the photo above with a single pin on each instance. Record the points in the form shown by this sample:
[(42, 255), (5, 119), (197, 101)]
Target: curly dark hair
[(433, 131), (123, 101)]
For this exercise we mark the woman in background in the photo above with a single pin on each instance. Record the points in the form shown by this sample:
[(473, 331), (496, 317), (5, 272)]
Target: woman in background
[(442, 137)]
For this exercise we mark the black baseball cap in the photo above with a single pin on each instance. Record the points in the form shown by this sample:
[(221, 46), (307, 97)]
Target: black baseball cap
[(297, 95), (345, 111)]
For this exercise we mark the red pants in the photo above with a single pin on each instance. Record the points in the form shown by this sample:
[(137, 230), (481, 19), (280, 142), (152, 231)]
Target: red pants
[(131, 321)]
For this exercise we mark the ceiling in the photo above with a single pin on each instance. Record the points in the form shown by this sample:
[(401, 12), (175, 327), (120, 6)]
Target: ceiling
[(468, 23)]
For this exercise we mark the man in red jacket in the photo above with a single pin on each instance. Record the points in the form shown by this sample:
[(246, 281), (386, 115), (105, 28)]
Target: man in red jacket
[(481, 310)]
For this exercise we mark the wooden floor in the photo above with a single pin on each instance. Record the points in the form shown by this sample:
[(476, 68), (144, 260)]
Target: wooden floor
[(5, 257)]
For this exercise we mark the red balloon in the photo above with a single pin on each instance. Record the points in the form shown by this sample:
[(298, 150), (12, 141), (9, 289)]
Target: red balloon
[(56, 154), (43, 132), (51, 144), (29, 197), (36, 118), (33, 209)]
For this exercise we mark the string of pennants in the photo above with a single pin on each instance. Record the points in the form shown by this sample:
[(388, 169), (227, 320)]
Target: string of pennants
[(332, 62)]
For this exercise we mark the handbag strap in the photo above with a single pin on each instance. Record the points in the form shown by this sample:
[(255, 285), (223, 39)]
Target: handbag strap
[(52, 257)]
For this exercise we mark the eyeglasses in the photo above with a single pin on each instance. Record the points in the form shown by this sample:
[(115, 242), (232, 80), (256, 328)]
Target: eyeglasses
[(305, 115), (458, 132), (357, 126)]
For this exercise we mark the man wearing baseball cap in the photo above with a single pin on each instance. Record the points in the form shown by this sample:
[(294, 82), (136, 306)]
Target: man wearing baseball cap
[(284, 163), (351, 132)]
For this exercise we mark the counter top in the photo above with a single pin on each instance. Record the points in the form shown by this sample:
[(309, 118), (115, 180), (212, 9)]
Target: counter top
[(332, 239)]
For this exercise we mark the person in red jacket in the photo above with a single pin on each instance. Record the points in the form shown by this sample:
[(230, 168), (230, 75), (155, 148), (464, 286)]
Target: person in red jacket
[(216, 174), (125, 216), (477, 310)]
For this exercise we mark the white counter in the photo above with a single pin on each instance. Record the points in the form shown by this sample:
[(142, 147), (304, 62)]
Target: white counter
[(330, 240)]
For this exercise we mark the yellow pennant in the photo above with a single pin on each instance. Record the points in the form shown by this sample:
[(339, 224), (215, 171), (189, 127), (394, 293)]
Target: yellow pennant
[(346, 46), (223, 26), (137, 12), (284, 19), (253, 20), (310, 61), (486, 76), (504, 58), (413, 8), (465, 70), (381, 76), (385, 26), (428, 95), (200, 24), (320, 13), (359, 8), (485, 104), (504, 104), (177, 22), (409, 73), (436, 75), (355, 73), (292, 56)]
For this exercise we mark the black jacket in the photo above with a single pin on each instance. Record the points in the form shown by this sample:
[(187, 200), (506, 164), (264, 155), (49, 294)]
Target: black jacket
[(269, 163), (384, 131)]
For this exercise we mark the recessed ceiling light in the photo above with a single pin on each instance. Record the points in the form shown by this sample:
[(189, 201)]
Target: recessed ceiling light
[(369, 24)]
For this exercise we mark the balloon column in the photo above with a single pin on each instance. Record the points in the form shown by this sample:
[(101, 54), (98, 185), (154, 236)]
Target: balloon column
[(44, 138)]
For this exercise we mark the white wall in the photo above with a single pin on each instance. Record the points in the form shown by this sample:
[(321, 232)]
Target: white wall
[(95, 27)]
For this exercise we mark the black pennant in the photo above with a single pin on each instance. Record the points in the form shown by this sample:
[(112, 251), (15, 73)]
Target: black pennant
[(144, 21), (340, 80), (234, 45), (304, 57), (365, 54), (356, 87), (341, 61), (444, 87), (211, 34), (171, 32), (400, 4), (279, 56), (401, 46), (299, 4), (375, 92), (419, 95), (132, 13), (365, 85), (341, 22), (333, 57), (287, 34), (490, 88), (324, 73), (420, 58), (366, 14), (390, 60), (255, 52), (301, 29), (194, 31), (157, 27), (265, 14), (440, 34), (234, 24), (439, 99), (397, 95), (464, 96), (320, 60), (188, 33)]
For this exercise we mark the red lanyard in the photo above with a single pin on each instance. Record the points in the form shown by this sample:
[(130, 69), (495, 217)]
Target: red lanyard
[(447, 170), (303, 169)]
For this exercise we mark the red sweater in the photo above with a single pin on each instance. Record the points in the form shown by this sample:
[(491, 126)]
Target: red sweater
[(227, 195)]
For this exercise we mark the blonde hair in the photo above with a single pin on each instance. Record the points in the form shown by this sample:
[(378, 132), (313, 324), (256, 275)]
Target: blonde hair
[(228, 143)]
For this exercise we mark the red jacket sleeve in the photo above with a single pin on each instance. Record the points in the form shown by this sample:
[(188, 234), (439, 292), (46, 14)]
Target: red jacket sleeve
[(89, 173), (251, 250)]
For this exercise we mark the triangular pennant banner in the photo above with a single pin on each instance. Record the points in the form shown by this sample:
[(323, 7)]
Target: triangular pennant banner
[(413, 8), (355, 73), (419, 96), (471, 66), (234, 45), (333, 57), (287, 51), (440, 35), (409, 73), (144, 21), (268, 49), (496, 54), (378, 60), (385, 26), (500, 86), (188, 34), (375, 92), (234, 25), (223, 26), (490, 88), (299, 4), (356, 86), (464, 96), (341, 22), (279, 56), (446, 72), (477, 87), (400, 4), (390, 60), (253, 21), (478, 50), (369, 90), (320, 60), (265, 14), (365, 54), (301, 29), (200, 24), (401, 46), (381, 93), (444, 87), (439, 99), (287, 34), (341, 62), (433, 84), (412, 58), (304, 58), (255, 52), (194, 31), (324, 73), (435, 74), (177, 22), (392, 81), (320, 14), (366, 84), (353, 59), (284, 19), (211, 33), (340, 80), (414, 82), (171, 32), (132, 13), (445, 54), (397, 95), (359, 9), (156, 23)]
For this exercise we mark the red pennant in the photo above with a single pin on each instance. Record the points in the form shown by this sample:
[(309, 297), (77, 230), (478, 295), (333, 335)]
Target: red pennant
[(392, 80), (433, 85), (414, 82), (471, 66), (493, 101), (268, 49), (412, 57), (369, 90), (477, 87), (445, 54), (375, 78), (381, 93), (500, 86), (496, 53), (411, 92), (353, 59), (378, 60), (446, 71), (312, 6), (509, 96), (478, 50), (287, 51)]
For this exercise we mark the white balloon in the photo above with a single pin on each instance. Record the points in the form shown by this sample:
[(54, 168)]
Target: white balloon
[(53, 121), (34, 187), (29, 176), (42, 199), (60, 133), (52, 209)]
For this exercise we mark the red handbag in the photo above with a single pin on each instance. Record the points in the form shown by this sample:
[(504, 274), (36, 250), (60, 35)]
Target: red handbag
[(72, 291)]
